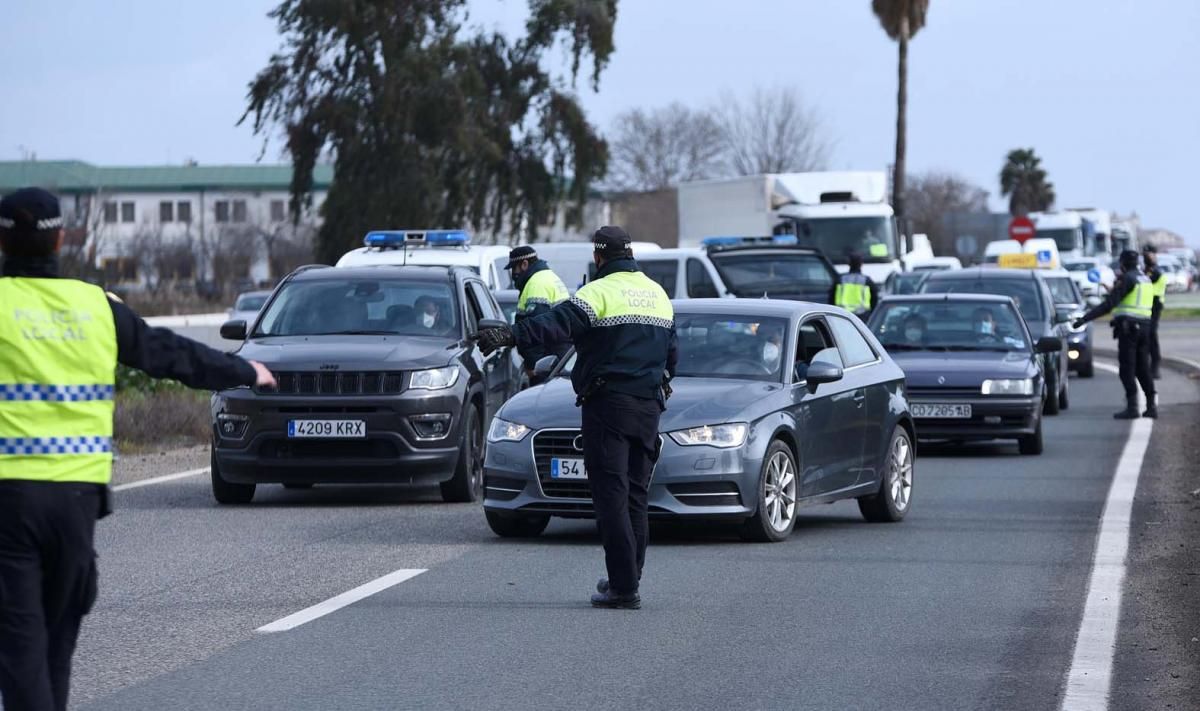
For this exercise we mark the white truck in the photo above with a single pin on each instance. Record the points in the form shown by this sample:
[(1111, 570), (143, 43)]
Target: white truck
[(1124, 236), (1097, 230), (837, 212), (1065, 228)]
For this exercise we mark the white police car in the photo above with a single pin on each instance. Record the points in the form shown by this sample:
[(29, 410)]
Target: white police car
[(438, 248)]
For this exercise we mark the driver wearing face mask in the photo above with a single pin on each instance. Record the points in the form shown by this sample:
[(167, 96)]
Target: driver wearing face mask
[(984, 323), (772, 348), (428, 311), (914, 330)]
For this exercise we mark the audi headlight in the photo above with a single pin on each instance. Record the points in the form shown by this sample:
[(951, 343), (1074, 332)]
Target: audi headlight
[(434, 378), (1024, 386), (505, 431), (723, 436)]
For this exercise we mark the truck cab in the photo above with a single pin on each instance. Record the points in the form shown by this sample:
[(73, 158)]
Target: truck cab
[(1065, 228)]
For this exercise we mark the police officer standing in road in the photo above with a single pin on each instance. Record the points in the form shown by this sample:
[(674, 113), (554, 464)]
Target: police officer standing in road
[(541, 290), (855, 291), (60, 342), (1159, 279), (623, 328), (1131, 303)]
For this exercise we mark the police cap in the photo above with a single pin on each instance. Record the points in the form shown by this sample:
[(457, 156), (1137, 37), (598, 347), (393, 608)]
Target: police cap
[(611, 241), (518, 254), (30, 210)]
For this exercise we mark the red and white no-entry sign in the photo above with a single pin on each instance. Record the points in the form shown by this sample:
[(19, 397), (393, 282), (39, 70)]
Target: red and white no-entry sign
[(1021, 228)]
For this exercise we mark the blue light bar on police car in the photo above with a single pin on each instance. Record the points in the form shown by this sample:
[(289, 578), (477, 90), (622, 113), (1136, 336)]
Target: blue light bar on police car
[(393, 239), (735, 241)]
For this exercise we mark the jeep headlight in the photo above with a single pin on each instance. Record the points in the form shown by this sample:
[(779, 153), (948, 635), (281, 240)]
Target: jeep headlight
[(505, 431), (1023, 386), (723, 436), (434, 378)]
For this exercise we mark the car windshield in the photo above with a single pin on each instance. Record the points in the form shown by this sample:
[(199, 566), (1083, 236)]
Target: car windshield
[(1067, 238), (908, 283), (838, 237), (772, 273), (723, 346), (1062, 289), (1022, 291), (949, 326), (250, 303), (362, 307)]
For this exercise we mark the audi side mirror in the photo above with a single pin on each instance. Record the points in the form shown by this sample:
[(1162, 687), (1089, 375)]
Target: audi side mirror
[(820, 373), (234, 330), (485, 323), (1048, 344)]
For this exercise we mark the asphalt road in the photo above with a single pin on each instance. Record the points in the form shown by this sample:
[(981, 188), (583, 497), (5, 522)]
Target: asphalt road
[(973, 602)]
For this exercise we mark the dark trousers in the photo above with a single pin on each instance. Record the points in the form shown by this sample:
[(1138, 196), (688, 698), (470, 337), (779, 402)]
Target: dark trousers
[(47, 585), (1133, 357), (1155, 352), (620, 446)]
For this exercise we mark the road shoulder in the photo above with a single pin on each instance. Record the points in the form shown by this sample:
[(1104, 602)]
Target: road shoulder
[(135, 467)]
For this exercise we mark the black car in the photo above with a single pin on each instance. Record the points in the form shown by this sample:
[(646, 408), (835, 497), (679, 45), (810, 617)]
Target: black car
[(378, 383), (971, 366), (900, 283), (1070, 303), (1029, 291)]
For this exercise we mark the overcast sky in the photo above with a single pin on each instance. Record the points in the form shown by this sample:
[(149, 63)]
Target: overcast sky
[(1108, 93)]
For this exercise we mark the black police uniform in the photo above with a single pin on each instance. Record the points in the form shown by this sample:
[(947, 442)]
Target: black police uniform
[(48, 577), (1133, 343), (618, 376)]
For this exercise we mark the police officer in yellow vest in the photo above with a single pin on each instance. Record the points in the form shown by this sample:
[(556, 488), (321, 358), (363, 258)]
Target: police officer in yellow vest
[(60, 342), (623, 328), (1159, 279), (855, 291), (1131, 302), (541, 290)]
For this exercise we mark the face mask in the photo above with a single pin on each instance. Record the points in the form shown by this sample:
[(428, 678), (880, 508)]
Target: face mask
[(913, 334), (428, 319), (770, 353), (985, 327)]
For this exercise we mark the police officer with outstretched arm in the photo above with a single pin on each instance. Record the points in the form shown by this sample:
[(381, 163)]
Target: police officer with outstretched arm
[(541, 290), (60, 342), (1131, 303), (623, 328), (1159, 279), (855, 291)]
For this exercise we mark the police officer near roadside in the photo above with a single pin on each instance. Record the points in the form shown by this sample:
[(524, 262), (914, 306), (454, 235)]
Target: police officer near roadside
[(1159, 279), (60, 342), (623, 328), (541, 290), (855, 291), (1131, 302)]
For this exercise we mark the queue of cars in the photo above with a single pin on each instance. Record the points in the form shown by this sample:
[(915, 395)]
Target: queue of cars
[(779, 401)]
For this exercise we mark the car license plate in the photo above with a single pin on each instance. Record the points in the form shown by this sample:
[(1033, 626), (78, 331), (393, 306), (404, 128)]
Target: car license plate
[(331, 429), (941, 411), (567, 469)]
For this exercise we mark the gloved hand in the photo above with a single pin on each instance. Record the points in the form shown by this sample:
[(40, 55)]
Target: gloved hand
[(1078, 323), (493, 339)]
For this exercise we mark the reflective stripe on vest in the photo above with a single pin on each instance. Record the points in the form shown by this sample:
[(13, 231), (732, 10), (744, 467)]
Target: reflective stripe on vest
[(1139, 302), (852, 293), (625, 298), (543, 288), (58, 358)]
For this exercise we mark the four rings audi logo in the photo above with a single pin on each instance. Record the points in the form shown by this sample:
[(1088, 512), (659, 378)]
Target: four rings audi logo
[(577, 443)]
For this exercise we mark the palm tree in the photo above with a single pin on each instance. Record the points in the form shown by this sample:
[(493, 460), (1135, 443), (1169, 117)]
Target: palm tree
[(1023, 182), (901, 20)]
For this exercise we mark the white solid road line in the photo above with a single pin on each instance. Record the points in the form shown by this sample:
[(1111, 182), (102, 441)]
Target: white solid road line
[(1090, 677), (336, 603), (160, 479)]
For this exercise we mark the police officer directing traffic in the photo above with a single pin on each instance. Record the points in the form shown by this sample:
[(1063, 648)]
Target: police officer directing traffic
[(1131, 303), (623, 328), (855, 291), (1159, 279), (60, 342), (541, 290)]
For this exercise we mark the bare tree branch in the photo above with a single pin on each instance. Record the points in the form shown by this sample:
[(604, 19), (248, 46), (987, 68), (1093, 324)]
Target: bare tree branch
[(659, 148), (773, 131)]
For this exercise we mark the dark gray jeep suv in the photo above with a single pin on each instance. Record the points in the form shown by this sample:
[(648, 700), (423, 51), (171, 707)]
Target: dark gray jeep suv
[(378, 383)]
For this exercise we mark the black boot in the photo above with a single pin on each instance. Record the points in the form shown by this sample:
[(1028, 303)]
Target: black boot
[(1151, 406), (1130, 412)]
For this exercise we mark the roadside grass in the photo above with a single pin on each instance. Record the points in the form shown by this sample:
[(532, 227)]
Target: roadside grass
[(157, 414), (1182, 313)]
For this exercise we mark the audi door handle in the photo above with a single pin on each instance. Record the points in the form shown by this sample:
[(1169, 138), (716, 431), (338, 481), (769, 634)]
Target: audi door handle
[(859, 398)]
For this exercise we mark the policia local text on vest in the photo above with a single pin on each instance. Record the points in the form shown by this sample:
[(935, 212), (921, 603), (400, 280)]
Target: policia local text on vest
[(623, 328), (1131, 303), (60, 342)]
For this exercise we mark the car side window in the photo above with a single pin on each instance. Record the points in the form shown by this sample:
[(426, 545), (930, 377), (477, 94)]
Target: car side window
[(699, 283), (665, 272), (486, 301), (474, 311), (814, 340), (854, 348)]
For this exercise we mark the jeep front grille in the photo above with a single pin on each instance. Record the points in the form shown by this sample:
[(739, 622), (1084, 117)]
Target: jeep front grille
[(337, 383)]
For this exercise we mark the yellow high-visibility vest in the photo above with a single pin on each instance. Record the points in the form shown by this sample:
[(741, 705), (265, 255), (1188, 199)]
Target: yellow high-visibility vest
[(58, 358), (853, 294), (543, 288), (1139, 302)]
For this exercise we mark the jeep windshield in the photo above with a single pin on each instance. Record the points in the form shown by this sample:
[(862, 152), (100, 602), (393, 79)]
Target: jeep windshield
[(775, 273), (327, 307)]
